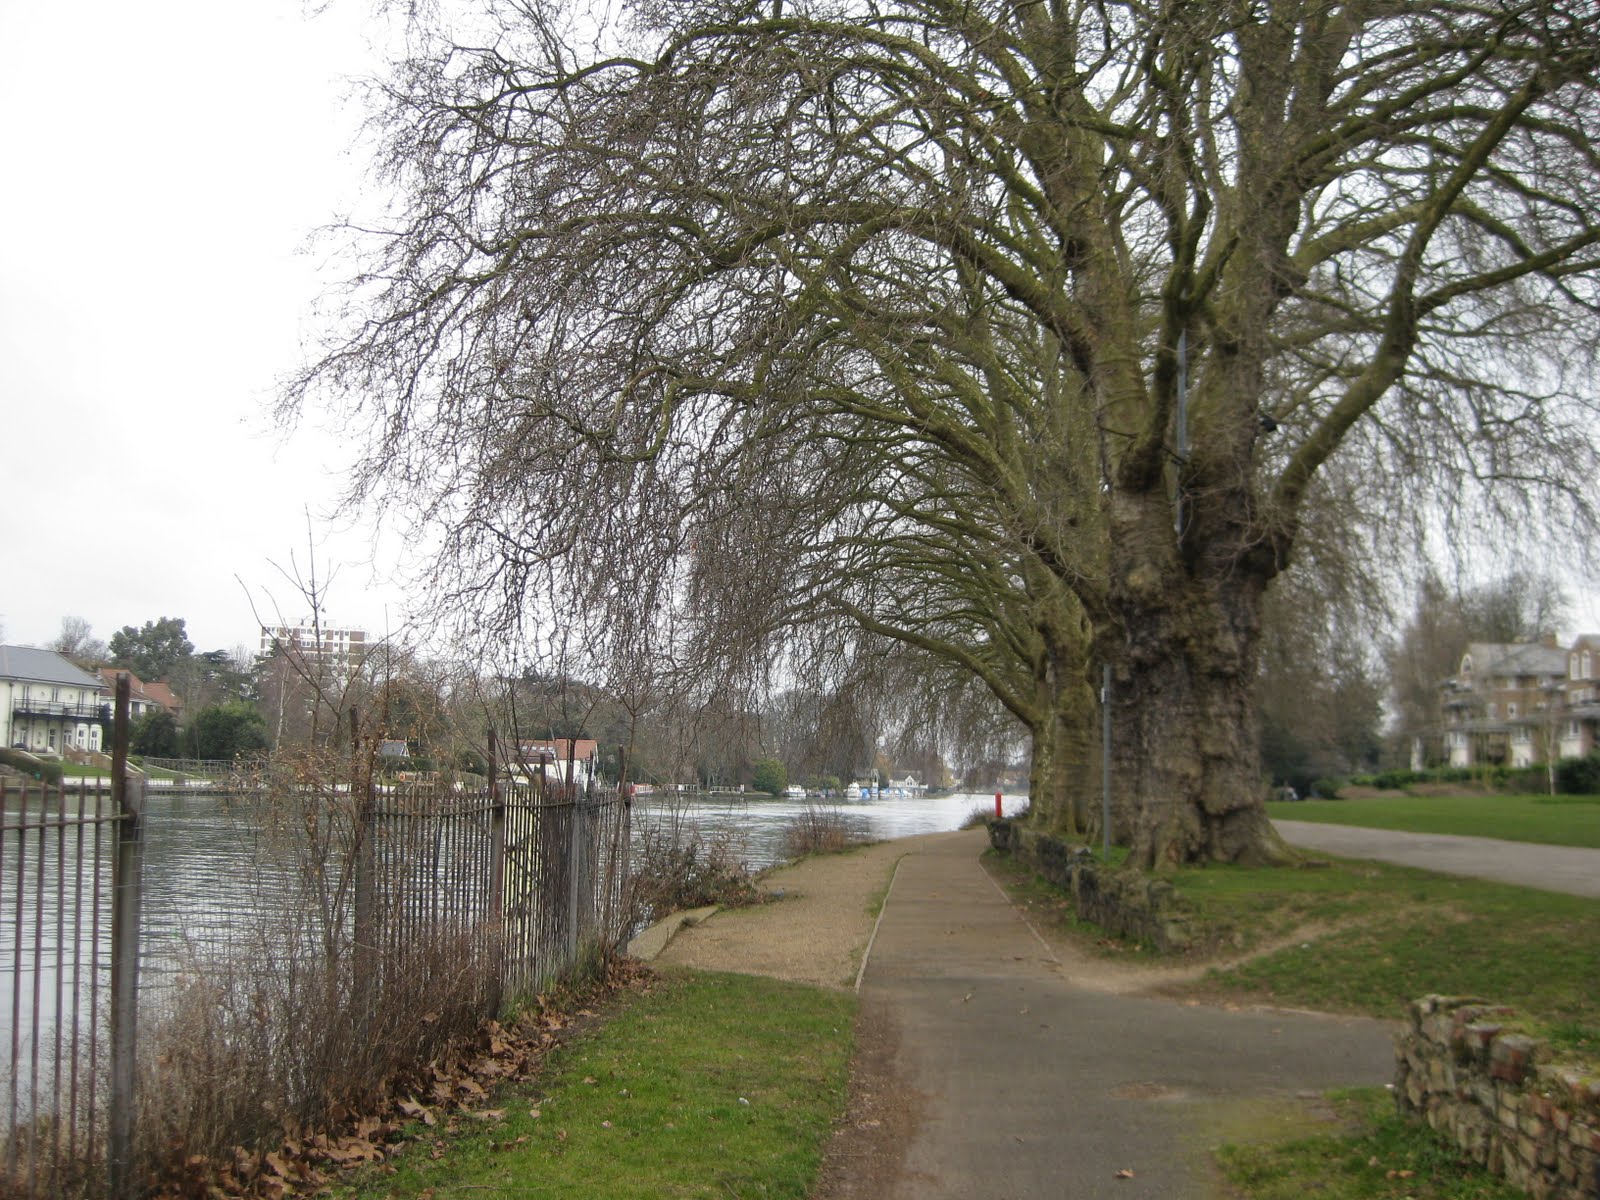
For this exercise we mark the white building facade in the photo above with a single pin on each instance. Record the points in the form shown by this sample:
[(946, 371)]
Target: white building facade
[(49, 705)]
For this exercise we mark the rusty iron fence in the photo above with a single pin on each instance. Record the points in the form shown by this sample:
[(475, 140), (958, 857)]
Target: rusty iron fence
[(56, 855), (97, 934)]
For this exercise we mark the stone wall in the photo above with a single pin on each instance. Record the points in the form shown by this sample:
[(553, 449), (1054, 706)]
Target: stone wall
[(1502, 1096), (1130, 903)]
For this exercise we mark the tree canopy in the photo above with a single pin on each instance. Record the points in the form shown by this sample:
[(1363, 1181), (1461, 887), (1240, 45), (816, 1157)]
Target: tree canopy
[(153, 650), (225, 731), (1025, 337)]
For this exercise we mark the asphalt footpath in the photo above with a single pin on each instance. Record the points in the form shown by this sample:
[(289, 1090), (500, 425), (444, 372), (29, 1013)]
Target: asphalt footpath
[(1569, 869), (1025, 1086)]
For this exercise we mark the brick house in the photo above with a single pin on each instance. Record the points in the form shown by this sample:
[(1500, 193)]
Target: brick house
[(1517, 703)]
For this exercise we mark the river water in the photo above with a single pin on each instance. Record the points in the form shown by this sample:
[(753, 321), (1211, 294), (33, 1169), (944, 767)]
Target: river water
[(756, 827)]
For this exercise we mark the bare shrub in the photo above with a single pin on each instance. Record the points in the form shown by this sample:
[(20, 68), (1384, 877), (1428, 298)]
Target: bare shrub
[(349, 977), (254, 1049), (818, 829), (678, 868), (980, 816)]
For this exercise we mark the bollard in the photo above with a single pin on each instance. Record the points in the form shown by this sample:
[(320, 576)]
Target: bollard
[(997, 813)]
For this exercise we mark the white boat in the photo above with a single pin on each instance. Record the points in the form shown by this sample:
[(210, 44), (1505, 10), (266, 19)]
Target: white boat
[(794, 792), (853, 792)]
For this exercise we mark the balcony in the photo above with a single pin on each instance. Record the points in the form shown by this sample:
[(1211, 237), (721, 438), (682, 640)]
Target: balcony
[(60, 710)]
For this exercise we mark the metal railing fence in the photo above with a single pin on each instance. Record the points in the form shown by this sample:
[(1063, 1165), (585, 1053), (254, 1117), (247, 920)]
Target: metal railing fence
[(56, 851), (525, 879)]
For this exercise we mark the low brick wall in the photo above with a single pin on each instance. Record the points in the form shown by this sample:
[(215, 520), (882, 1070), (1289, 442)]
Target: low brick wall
[(1501, 1096), (1130, 903)]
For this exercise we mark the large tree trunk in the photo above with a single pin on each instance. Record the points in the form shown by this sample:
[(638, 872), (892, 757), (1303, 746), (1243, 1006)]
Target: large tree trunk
[(1186, 748), (1064, 762), (1063, 720)]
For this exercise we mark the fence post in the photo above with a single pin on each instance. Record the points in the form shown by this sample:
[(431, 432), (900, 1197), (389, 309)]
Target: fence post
[(617, 883), (497, 876), (364, 958), (126, 887)]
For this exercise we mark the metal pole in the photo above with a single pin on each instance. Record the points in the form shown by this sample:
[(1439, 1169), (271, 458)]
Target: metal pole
[(497, 876), (365, 950), (126, 881), (1105, 763)]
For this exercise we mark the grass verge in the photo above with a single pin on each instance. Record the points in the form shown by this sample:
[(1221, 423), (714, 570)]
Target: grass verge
[(1371, 1154), (1547, 820), (1362, 937), (1051, 910), (706, 1085), (1378, 936)]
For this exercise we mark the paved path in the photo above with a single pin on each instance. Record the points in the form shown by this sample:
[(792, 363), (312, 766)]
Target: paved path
[(1552, 868), (1029, 1087)]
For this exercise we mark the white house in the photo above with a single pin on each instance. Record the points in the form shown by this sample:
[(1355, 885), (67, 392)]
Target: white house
[(48, 704), (550, 757)]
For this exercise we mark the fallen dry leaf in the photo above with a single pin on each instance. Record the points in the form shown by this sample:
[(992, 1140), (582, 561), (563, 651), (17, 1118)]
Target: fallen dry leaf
[(1125, 1173)]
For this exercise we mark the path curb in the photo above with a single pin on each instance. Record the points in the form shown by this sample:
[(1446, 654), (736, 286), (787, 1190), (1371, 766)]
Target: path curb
[(649, 944)]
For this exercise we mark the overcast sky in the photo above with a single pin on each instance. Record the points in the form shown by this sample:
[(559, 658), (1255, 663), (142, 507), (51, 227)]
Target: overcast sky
[(165, 162)]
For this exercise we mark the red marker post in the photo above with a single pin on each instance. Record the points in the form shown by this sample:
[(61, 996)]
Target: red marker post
[(997, 806)]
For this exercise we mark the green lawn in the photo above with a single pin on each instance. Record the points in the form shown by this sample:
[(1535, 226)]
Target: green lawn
[(1550, 820), (1380, 936), (707, 1086), (1369, 1152), (1368, 938), (72, 768)]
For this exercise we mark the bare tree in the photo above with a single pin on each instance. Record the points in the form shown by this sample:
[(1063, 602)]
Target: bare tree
[(1022, 335), (77, 641)]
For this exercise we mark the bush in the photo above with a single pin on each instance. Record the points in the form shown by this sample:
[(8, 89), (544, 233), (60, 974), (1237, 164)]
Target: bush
[(155, 734), (225, 731), (1325, 789), (1579, 776), (769, 775), (673, 872), (817, 830), (37, 768)]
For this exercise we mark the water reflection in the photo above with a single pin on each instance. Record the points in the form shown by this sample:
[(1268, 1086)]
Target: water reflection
[(756, 827)]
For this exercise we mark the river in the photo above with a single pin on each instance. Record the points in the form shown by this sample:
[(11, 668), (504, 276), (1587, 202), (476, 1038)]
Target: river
[(756, 827)]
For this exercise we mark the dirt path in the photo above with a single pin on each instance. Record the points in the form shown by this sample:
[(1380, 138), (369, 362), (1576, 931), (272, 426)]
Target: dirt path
[(814, 932), (818, 929)]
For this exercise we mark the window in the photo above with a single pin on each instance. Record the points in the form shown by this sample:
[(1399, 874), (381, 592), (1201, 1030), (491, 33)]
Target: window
[(1572, 668), (1511, 710), (1588, 665), (1493, 710)]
